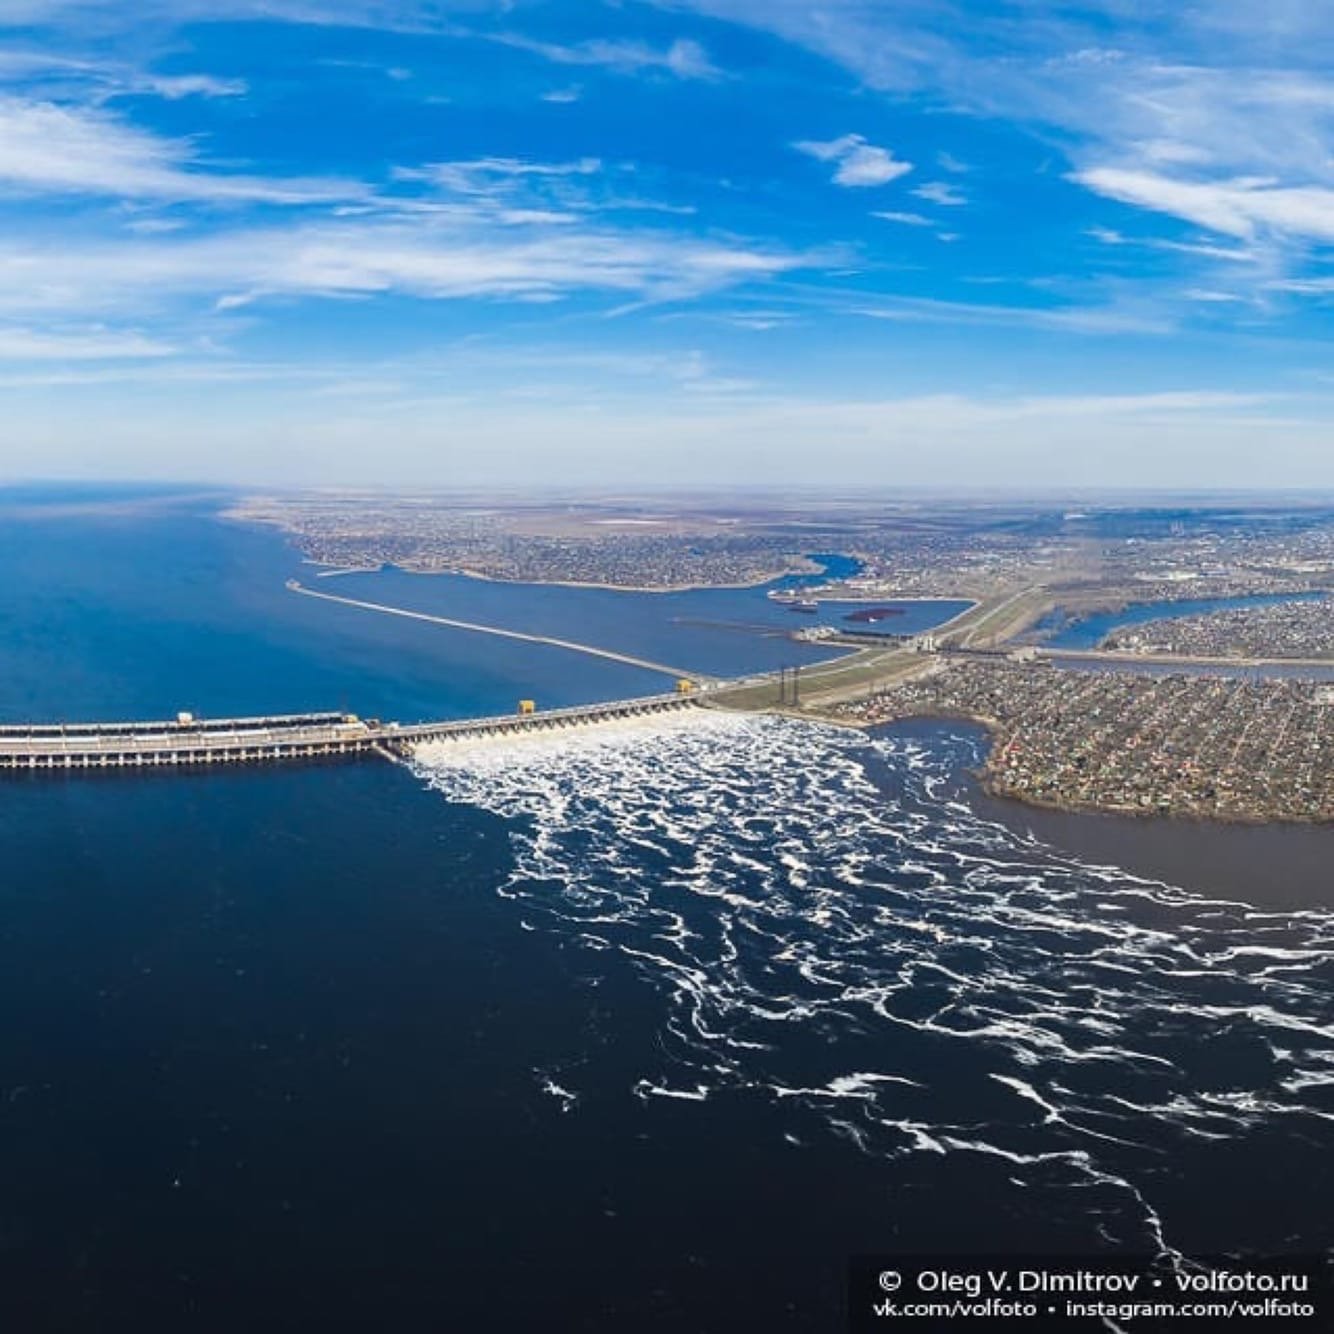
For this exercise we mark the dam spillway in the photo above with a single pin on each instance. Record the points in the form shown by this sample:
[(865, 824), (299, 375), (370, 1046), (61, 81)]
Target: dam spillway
[(190, 742)]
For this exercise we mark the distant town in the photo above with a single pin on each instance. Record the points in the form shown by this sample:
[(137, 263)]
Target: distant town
[(1215, 699)]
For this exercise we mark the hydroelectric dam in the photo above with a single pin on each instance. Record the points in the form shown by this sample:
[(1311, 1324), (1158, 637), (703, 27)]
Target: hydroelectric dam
[(192, 742)]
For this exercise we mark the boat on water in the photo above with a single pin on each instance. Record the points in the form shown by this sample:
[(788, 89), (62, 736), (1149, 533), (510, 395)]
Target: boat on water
[(793, 601), (870, 615)]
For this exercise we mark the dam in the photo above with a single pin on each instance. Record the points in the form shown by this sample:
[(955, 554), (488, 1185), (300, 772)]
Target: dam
[(191, 742)]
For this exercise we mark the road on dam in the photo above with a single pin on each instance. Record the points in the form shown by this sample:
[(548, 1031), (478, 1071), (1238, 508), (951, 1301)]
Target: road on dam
[(681, 673)]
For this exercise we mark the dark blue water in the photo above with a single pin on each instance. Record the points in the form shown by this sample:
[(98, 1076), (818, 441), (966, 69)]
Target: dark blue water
[(1086, 632), (582, 1039)]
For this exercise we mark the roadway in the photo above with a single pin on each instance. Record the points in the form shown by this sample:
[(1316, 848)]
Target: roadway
[(1183, 660), (137, 745), (995, 619)]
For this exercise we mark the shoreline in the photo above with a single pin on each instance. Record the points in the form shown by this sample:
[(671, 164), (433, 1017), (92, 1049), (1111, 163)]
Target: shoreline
[(1090, 606), (606, 588), (1129, 815), (1274, 866), (330, 571)]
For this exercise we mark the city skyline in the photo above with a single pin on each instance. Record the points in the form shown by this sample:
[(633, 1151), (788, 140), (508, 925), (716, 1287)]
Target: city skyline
[(712, 242)]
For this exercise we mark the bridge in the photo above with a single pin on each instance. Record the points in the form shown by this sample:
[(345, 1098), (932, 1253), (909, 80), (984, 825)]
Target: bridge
[(188, 742)]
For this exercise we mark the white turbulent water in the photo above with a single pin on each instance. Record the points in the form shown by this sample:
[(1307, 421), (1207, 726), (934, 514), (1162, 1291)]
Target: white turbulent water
[(833, 927)]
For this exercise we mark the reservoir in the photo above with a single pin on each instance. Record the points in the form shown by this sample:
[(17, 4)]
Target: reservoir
[(649, 1030)]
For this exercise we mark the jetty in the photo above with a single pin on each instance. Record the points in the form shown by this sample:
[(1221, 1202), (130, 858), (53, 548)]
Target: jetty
[(191, 742)]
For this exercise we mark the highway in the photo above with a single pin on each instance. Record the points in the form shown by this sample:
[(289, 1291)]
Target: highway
[(989, 619), (1182, 660), (301, 736)]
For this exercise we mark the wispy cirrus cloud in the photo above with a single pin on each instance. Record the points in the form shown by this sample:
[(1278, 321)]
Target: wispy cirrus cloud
[(1106, 318), (942, 193), (103, 80), (96, 344), (431, 257), (482, 176), (1242, 207), (904, 219), (859, 163), (1218, 117), (684, 58), (111, 16), (175, 86), (47, 148), (528, 190)]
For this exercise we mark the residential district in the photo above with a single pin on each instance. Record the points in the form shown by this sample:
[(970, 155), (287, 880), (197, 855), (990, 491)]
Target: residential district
[(1295, 630), (1204, 746), (1099, 557)]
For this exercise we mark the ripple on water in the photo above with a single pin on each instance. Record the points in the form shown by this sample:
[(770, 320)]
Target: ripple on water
[(829, 929)]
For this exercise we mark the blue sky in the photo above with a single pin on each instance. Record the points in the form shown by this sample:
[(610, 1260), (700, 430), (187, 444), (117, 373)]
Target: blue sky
[(707, 241)]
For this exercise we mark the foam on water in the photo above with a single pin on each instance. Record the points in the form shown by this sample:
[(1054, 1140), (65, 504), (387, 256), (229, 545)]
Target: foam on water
[(832, 928)]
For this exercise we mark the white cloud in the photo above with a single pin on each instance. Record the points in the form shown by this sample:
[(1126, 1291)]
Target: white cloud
[(428, 256), (45, 148), (1304, 286), (684, 58), (103, 80), (489, 175), (1106, 319), (20, 344), (906, 219), (859, 163), (1219, 115), (1230, 254), (110, 15), (1240, 207), (154, 226), (898, 46), (939, 192), (175, 87)]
